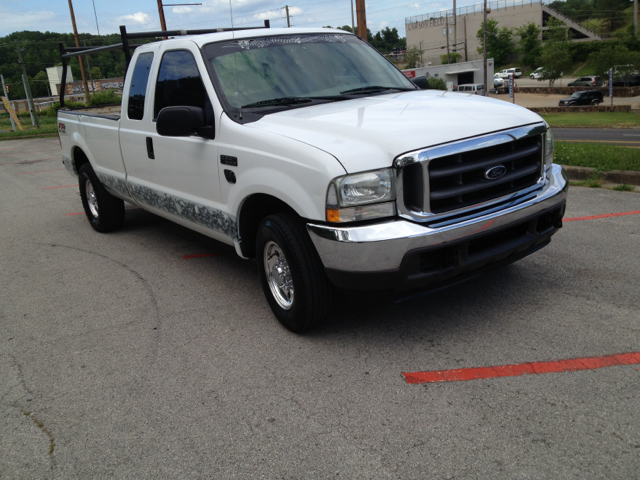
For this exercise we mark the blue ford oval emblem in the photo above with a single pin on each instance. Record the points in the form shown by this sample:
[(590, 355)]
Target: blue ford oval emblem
[(495, 172)]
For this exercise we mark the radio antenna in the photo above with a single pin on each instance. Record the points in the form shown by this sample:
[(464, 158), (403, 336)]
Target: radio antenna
[(235, 57)]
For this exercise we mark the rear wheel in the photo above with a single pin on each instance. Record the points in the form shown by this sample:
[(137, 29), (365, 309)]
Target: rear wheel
[(292, 274), (104, 211), (595, 103)]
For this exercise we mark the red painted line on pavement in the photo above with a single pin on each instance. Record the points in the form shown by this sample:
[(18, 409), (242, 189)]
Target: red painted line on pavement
[(606, 215), (532, 368), (61, 186), (41, 171), (200, 255)]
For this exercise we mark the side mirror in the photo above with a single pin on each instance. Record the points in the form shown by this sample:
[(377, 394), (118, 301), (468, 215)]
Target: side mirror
[(179, 121), (421, 82)]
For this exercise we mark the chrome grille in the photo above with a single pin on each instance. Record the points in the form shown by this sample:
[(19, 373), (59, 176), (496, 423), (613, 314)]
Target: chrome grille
[(454, 178), (458, 180)]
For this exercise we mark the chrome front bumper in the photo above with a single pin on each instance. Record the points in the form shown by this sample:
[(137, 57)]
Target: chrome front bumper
[(382, 247)]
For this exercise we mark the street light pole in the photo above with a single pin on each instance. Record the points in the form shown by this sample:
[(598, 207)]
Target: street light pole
[(484, 42)]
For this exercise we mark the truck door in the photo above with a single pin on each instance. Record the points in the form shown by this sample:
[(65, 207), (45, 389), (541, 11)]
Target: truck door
[(185, 169), (135, 121)]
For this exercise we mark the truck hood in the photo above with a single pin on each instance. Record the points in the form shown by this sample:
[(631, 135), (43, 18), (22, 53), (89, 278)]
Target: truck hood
[(369, 132)]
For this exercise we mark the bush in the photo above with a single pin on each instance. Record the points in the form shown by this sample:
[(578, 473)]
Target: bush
[(453, 56), (437, 84), (53, 110), (106, 97)]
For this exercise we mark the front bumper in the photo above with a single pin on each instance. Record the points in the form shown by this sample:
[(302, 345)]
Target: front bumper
[(399, 254)]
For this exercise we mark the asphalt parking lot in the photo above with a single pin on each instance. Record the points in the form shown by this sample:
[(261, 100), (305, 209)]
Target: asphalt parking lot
[(133, 355)]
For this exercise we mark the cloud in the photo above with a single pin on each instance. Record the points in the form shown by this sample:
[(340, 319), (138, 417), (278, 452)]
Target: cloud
[(415, 5), (15, 22), (182, 10), (270, 15), (139, 18)]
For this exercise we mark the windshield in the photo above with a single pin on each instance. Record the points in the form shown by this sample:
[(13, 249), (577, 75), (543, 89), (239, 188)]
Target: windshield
[(259, 70)]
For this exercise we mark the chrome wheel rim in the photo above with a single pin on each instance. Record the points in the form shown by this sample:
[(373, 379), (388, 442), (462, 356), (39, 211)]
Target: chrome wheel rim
[(91, 198), (278, 274)]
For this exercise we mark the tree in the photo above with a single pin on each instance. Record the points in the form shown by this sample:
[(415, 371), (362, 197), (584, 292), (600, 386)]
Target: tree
[(555, 58), (530, 44), (437, 83), (499, 42), (411, 57), (96, 74), (452, 57), (615, 56)]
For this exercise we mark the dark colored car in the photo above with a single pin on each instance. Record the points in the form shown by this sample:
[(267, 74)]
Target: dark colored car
[(588, 81), (587, 97), (630, 81)]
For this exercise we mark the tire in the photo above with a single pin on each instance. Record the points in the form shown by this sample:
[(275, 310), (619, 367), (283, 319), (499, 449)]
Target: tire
[(595, 103), (286, 257), (104, 211)]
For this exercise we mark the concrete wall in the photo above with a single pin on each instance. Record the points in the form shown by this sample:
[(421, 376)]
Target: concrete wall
[(55, 77), (428, 32)]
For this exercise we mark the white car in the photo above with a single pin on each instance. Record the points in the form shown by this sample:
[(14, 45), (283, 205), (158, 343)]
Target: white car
[(538, 73), (507, 72)]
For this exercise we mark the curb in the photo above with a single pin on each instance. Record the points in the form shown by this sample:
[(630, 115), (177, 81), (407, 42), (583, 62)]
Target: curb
[(612, 176)]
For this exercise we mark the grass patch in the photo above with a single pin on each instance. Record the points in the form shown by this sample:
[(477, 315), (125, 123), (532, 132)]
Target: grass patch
[(592, 182), (48, 126), (601, 157), (593, 119), (585, 69), (624, 188)]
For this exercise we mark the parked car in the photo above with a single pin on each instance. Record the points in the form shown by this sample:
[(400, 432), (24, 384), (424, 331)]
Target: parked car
[(275, 166), (588, 81), (538, 73), (587, 97), (517, 72), (630, 81), (498, 82), (471, 88)]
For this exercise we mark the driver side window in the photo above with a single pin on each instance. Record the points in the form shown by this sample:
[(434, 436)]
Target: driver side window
[(179, 83)]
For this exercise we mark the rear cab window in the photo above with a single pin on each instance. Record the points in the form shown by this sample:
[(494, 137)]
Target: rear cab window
[(138, 88)]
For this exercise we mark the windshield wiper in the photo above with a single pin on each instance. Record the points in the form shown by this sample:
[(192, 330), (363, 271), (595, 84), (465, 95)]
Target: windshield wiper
[(278, 101), (373, 89)]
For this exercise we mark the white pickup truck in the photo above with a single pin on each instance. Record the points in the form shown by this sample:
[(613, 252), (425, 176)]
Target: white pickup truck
[(307, 150)]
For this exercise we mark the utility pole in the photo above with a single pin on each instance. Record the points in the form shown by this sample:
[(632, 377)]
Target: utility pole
[(288, 22), (447, 24), (455, 28), (35, 121), (93, 85), (4, 90), (465, 39), (353, 23), (484, 43), (362, 19), (84, 75), (163, 23)]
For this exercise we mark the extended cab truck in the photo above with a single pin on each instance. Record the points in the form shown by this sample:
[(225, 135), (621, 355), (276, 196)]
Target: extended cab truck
[(309, 151)]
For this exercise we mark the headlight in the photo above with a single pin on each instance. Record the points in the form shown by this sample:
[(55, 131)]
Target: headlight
[(362, 196), (548, 149)]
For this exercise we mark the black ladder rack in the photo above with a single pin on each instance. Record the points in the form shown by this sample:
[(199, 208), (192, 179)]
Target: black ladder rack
[(69, 52)]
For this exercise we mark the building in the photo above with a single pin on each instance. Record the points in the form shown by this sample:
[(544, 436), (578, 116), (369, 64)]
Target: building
[(55, 78), (430, 32), (455, 74)]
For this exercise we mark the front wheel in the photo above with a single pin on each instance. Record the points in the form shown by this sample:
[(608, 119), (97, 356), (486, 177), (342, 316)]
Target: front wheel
[(104, 211), (291, 272)]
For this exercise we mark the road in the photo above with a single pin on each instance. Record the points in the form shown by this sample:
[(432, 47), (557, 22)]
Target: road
[(612, 136), (123, 356)]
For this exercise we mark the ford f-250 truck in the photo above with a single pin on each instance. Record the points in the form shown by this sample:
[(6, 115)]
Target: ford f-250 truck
[(307, 150)]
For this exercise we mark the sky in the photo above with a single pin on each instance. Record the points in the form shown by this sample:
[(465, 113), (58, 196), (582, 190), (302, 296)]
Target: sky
[(141, 15)]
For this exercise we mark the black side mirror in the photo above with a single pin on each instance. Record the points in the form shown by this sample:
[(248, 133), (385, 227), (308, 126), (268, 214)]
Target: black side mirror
[(179, 121), (421, 82)]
